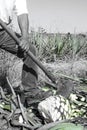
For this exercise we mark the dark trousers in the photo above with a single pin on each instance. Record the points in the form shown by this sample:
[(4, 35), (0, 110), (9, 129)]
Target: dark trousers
[(29, 72)]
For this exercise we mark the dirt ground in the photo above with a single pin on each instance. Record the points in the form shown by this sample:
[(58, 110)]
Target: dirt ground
[(69, 75)]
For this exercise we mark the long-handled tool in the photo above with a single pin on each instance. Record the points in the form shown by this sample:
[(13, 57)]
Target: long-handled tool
[(12, 34)]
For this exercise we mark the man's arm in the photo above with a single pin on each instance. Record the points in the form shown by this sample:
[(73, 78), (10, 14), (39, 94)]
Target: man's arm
[(24, 27), (24, 24)]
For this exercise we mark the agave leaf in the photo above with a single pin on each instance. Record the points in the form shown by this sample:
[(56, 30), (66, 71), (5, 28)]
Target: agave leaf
[(5, 106), (67, 126)]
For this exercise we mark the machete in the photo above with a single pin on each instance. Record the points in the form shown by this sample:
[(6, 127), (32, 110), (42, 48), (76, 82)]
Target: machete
[(12, 34)]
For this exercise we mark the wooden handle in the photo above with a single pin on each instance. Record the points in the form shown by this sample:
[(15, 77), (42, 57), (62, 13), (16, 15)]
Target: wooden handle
[(12, 34)]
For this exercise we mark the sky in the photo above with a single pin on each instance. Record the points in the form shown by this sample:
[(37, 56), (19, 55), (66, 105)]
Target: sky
[(58, 15)]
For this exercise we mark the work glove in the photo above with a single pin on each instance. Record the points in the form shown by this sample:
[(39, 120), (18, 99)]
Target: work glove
[(24, 44)]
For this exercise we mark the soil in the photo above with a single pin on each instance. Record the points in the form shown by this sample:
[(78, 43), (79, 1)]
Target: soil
[(74, 71)]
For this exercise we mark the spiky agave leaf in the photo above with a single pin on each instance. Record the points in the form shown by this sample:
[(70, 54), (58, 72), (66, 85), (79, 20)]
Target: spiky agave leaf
[(67, 126)]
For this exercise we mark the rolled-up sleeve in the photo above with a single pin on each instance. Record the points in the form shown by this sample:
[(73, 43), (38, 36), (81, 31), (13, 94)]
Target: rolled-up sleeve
[(21, 7)]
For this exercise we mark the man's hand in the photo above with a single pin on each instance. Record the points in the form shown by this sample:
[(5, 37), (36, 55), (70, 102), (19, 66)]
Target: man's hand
[(24, 44)]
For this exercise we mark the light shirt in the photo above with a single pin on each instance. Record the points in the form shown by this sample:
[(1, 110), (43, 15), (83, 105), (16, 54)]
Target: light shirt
[(10, 7)]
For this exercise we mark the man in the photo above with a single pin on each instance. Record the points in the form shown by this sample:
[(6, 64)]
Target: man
[(29, 73)]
